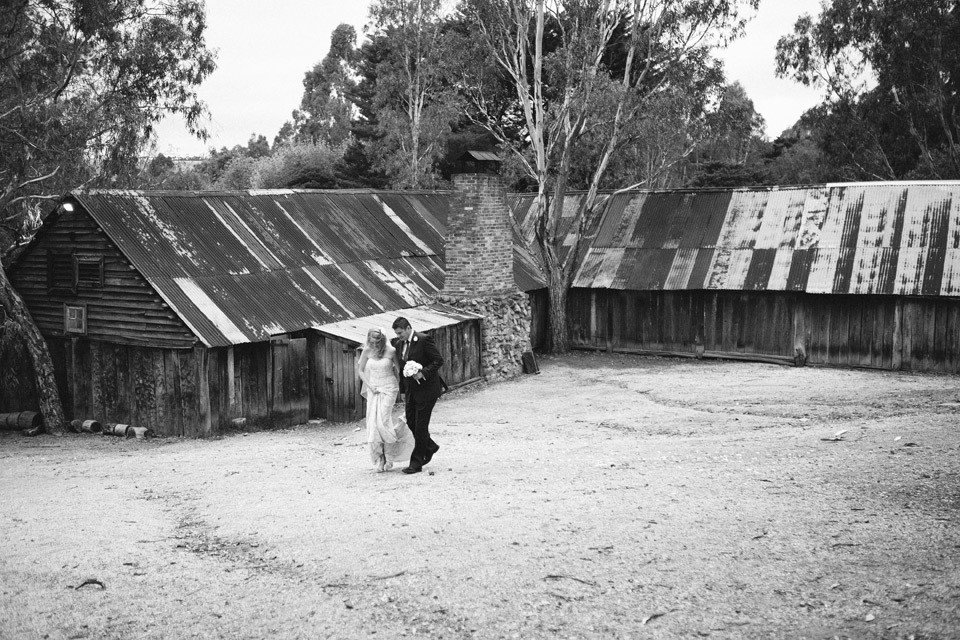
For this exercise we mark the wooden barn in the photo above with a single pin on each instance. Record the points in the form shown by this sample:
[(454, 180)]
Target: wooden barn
[(859, 275), (184, 312)]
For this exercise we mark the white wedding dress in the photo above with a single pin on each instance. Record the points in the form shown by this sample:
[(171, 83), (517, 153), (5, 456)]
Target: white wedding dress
[(389, 438)]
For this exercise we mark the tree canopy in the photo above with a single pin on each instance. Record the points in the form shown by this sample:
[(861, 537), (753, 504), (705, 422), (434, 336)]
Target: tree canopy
[(82, 83), (888, 69)]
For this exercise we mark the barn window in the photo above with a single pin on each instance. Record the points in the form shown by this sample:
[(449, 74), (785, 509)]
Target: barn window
[(74, 318), (60, 270), (89, 270)]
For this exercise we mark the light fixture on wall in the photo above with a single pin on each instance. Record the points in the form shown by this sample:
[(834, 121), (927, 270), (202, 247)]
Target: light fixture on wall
[(67, 206)]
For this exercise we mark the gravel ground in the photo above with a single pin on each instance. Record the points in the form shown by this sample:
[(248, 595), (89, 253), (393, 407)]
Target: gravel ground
[(608, 497)]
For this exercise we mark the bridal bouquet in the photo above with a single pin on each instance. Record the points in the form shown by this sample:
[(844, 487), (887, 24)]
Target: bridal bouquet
[(411, 369)]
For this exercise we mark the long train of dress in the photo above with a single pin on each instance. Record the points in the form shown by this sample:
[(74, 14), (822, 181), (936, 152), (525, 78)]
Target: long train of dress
[(389, 438)]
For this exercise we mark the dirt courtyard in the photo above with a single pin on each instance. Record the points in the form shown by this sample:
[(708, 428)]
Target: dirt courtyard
[(608, 497)]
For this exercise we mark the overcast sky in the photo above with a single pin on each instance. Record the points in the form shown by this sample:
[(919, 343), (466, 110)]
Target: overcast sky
[(265, 48)]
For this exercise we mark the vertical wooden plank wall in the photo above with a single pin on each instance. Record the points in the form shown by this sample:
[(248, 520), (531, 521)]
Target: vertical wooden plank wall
[(335, 392), (879, 332), (297, 386), (459, 345), (164, 390)]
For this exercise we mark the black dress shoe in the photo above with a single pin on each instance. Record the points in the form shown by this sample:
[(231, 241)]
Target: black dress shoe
[(413, 470), (432, 451)]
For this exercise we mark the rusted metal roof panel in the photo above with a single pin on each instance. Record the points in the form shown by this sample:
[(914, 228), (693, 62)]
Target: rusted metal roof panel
[(780, 270), (950, 285), (221, 310), (484, 155), (422, 318), (863, 238), (759, 269), (241, 266), (799, 274), (681, 269)]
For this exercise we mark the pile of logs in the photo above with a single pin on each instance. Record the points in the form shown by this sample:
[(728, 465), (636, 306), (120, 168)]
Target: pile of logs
[(110, 429), (31, 423)]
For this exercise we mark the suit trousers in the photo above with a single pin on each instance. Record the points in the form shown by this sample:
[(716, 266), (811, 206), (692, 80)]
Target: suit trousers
[(418, 419)]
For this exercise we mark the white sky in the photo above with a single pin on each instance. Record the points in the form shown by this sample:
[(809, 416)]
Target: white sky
[(265, 48)]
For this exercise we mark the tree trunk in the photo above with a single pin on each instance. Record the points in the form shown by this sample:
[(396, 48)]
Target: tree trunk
[(557, 314), (50, 406)]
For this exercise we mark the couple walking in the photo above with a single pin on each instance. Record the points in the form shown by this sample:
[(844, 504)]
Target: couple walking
[(409, 363)]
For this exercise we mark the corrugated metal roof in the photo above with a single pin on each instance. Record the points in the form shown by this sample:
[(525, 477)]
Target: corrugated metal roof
[(242, 266), (422, 318), (863, 238), (483, 155)]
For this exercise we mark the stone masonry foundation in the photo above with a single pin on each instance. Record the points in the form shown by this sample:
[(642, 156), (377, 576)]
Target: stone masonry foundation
[(504, 330)]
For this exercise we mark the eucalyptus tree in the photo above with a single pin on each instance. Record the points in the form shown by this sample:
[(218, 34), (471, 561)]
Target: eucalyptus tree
[(587, 73), (889, 71), (413, 99), (82, 82), (326, 110)]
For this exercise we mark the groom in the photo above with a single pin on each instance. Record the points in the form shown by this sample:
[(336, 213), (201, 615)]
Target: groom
[(421, 391)]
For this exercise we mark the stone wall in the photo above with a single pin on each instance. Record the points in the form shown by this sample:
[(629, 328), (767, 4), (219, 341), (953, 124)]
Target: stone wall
[(505, 330)]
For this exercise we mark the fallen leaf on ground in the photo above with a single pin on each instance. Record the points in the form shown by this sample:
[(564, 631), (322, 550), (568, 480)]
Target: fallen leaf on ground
[(652, 616)]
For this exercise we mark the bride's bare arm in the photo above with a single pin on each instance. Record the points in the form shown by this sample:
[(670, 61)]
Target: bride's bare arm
[(395, 358), (362, 365)]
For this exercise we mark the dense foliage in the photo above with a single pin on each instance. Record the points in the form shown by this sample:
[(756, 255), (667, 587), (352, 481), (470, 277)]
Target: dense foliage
[(82, 83), (889, 71)]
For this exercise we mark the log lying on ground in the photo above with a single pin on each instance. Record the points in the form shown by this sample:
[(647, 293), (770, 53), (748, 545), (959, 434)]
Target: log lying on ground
[(122, 430), (20, 420), (91, 426)]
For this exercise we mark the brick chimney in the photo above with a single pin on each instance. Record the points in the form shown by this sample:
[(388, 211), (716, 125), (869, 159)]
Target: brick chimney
[(479, 243), (479, 272)]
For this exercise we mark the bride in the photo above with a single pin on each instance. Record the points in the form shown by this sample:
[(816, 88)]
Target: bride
[(389, 439)]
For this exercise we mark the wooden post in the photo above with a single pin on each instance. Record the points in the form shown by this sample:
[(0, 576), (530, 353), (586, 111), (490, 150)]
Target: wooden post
[(799, 331), (201, 362), (231, 382), (898, 335)]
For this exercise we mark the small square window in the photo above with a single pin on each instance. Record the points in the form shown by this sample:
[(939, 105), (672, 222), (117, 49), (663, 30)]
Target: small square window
[(74, 318), (60, 271), (89, 270)]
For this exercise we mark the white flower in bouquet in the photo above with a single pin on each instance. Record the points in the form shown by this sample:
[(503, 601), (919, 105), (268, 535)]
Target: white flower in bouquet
[(411, 369)]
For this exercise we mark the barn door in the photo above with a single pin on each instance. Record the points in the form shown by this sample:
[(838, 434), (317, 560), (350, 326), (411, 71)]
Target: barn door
[(289, 398), (298, 381), (336, 389)]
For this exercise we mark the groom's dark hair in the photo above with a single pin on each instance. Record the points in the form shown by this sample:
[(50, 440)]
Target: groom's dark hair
[(401, 323)]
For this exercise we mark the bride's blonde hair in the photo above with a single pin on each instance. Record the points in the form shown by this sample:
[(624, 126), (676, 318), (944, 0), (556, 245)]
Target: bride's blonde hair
[(377, 342)]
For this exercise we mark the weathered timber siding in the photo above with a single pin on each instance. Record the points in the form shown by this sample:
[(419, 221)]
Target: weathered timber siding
[(165, 390), (335, 386), (459, 344), (266, 383), (881, 332), (125, 310), (184, 392)]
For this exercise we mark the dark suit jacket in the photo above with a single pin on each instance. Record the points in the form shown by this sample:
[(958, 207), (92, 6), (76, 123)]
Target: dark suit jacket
[(422, 350)]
